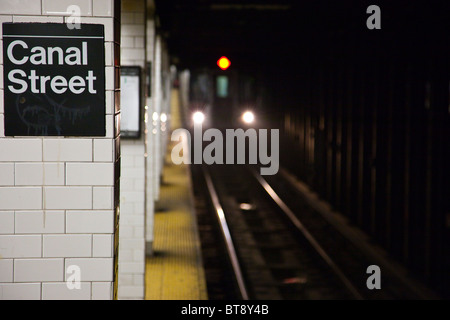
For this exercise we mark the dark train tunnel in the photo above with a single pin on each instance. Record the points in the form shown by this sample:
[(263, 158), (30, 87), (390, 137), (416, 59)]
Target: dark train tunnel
[(363, 114)]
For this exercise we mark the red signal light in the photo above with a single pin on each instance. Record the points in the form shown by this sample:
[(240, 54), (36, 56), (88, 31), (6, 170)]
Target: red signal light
[(223, 63)]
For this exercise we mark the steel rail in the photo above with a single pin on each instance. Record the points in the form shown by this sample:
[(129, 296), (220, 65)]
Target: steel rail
[(308, 236), (227, 236)]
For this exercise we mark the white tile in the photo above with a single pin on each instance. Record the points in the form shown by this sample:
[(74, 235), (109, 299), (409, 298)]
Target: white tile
[(84, 174), (60, 291), (17, 149), (127, 17), (67, 198), (67, 150), (39, 222), (20, 198), (93, 269), (109, 101), (42, 19), (109, 78), (2, 125), (107, 22), (133, 30), (1, 100), (6, 270), (133, 54), (132, 244), (109, 126), (90, 221), (67, 245), (20, 246), (1, 77), (139, 256), (102, 245), (61, 7), (132, 267), (20, 7), (6, 222), (103, 150), (33, 174), (102, 290), (103, 197), (131, 292), (6, 173), (139, 42), (34, 270), (103, 8), (126, 42), (20, 291), (125, 230), (135, 197), (109, 54)]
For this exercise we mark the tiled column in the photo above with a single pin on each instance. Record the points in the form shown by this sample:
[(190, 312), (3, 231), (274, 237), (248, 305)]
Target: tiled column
[(133, 167), (59, 195)]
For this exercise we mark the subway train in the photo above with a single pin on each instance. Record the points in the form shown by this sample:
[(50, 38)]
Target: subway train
[(222, 99)]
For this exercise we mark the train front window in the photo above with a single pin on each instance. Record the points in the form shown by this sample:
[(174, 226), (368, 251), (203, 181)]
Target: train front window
[(222, 86)]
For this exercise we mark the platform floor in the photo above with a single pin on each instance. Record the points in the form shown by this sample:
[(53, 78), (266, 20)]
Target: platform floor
[(175, 270)]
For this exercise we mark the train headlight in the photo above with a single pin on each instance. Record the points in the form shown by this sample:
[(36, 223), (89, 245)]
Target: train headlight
[(248, 117), (198, 117)]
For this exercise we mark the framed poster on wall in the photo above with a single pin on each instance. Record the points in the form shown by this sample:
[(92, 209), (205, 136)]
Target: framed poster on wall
[(130, 102)]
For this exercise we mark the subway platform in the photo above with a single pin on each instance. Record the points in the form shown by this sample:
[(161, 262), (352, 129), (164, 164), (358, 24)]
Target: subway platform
[(174, 271)]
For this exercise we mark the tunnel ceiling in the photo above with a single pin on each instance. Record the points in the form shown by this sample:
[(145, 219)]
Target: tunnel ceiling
[(199, 32), (254, 32)]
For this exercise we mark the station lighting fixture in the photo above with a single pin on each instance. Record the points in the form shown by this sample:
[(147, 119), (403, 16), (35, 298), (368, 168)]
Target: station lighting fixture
[(248, 117), (198, 117), (223, 63)]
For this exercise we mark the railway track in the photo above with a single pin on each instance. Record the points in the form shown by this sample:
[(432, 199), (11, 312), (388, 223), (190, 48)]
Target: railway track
[(277, 247)]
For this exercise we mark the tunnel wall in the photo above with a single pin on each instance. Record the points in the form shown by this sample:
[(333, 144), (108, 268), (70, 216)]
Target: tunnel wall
[(369, 129)]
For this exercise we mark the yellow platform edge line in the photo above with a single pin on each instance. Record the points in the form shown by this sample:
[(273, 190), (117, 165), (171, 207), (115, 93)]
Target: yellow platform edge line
[(175, 271)]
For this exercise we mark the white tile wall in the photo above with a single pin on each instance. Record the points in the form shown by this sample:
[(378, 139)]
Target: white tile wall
[(28, 270), (2, 126), (60, 291), (101, 290), (67, 150), (27, 222), (51, 7), (132, 183), (93, 269), (102, 197), (103, 8), (20, 291), (20, 7), (6, 174), (20, 246), (68, 197), (40, 19), (20, 198), (67, 245), (34, 174), (86, 174), (102, 246), (57, 193), (6, 270), (6, 222), (20, 149), (90, 221)]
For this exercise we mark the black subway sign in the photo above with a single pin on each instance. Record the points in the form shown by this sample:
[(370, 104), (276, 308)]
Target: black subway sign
[(54, 80)]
